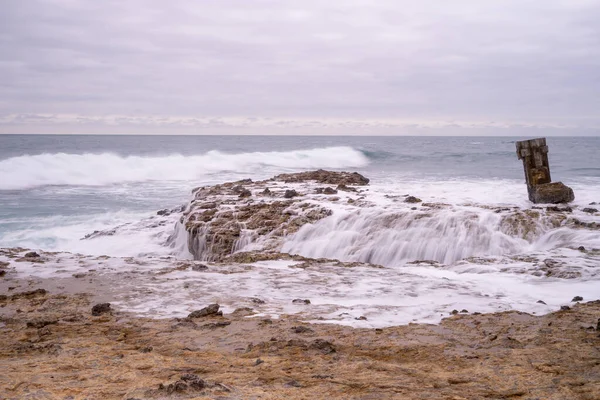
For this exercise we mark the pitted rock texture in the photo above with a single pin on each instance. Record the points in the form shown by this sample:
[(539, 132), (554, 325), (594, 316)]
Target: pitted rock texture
[(224, 219)]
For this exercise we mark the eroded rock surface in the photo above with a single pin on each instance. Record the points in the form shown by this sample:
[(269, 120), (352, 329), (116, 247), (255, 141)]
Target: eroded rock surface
[(223, 219), (52, 349)]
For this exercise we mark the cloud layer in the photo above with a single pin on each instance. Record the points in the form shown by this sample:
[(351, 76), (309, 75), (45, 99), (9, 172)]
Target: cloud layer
[(188, 66)]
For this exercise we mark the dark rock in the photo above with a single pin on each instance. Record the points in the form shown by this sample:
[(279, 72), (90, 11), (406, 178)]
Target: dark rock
[(100, 308), (238, 189), (212, 309), (590, 210), (163, 212), (577, 298), (266, 192), (245, 193), (301, 301), (412, 199), (361, 318), (327, 177), (345, 188), (256, 300), (146, 349), (293, 383), (2, 273), (323, 346), (554, 193), (598, 325), (199, 267), (559, 209), (464, 311), (32, 254), (593, 203), (565, 308), (301, 329), (413, 208), (326, 190), (290, 193), (454, 312), (541, 302), (258, 361), (581, 248)]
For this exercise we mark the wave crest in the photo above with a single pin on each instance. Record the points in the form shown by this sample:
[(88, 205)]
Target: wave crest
[(30, 171)]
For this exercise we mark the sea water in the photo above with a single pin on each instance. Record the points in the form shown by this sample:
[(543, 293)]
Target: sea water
[(55, 190)]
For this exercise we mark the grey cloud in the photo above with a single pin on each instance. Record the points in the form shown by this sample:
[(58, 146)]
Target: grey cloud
[(523, 63)]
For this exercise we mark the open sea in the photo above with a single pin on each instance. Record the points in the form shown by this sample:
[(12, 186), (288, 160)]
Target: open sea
[(55, 190)]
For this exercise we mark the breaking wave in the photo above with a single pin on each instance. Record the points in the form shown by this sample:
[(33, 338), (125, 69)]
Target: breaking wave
[(30, 171)]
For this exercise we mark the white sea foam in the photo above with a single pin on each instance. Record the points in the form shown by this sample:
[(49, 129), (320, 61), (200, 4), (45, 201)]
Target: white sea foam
[(103, 169), (165, 288)]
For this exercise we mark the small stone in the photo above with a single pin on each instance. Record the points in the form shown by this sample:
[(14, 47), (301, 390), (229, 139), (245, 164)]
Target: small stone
[(199, 267), (413, 208), (565, 308), (301, 301), (412, 199), (541, 302), (463, 311), (32, 254), (329, 190), (581, 248), (266, 192), (590, 210), (577, 298), (245, 193), (454, 312), (290, 193), (163, 212), (361, 318), (324, 346), (258, 361), (212, 309), (146, 349), (256, 300), (293, 384), (79, 275), (301, 329), (598, 325), (101, 308)]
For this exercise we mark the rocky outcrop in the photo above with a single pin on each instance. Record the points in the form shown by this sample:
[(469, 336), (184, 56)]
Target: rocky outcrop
[(322, 176), (553, 193), (224, 219)]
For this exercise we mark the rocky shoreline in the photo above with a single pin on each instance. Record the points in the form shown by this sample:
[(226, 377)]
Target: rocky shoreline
[(59, 346), (97, 327)]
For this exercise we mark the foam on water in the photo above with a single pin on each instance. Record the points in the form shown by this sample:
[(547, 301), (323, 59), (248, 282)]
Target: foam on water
[(29, 171), (166, 288)]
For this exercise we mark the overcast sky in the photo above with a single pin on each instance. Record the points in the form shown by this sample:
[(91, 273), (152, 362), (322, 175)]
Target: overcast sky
[(300, 67)]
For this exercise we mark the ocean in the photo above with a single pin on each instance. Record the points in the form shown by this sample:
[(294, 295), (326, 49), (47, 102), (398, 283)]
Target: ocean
[(55, 190)]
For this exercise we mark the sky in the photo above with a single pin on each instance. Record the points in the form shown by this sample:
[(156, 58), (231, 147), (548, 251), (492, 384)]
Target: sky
[(460, 67)]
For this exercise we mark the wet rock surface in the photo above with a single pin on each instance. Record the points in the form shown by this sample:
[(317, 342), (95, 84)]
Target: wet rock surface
[(555, 193), (63, 353), (223, 219)]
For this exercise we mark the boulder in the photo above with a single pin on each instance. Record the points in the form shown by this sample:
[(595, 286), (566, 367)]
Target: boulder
[(554, 193)]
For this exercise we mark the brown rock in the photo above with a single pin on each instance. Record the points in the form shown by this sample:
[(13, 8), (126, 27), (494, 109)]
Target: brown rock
[(554, 193), (210, 310)]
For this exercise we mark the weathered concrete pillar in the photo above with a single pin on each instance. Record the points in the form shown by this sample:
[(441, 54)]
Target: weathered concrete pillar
[(540, 188)]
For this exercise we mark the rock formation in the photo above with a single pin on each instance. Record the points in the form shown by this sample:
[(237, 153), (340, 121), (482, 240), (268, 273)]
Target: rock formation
[(534, 154), (223, 219)]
